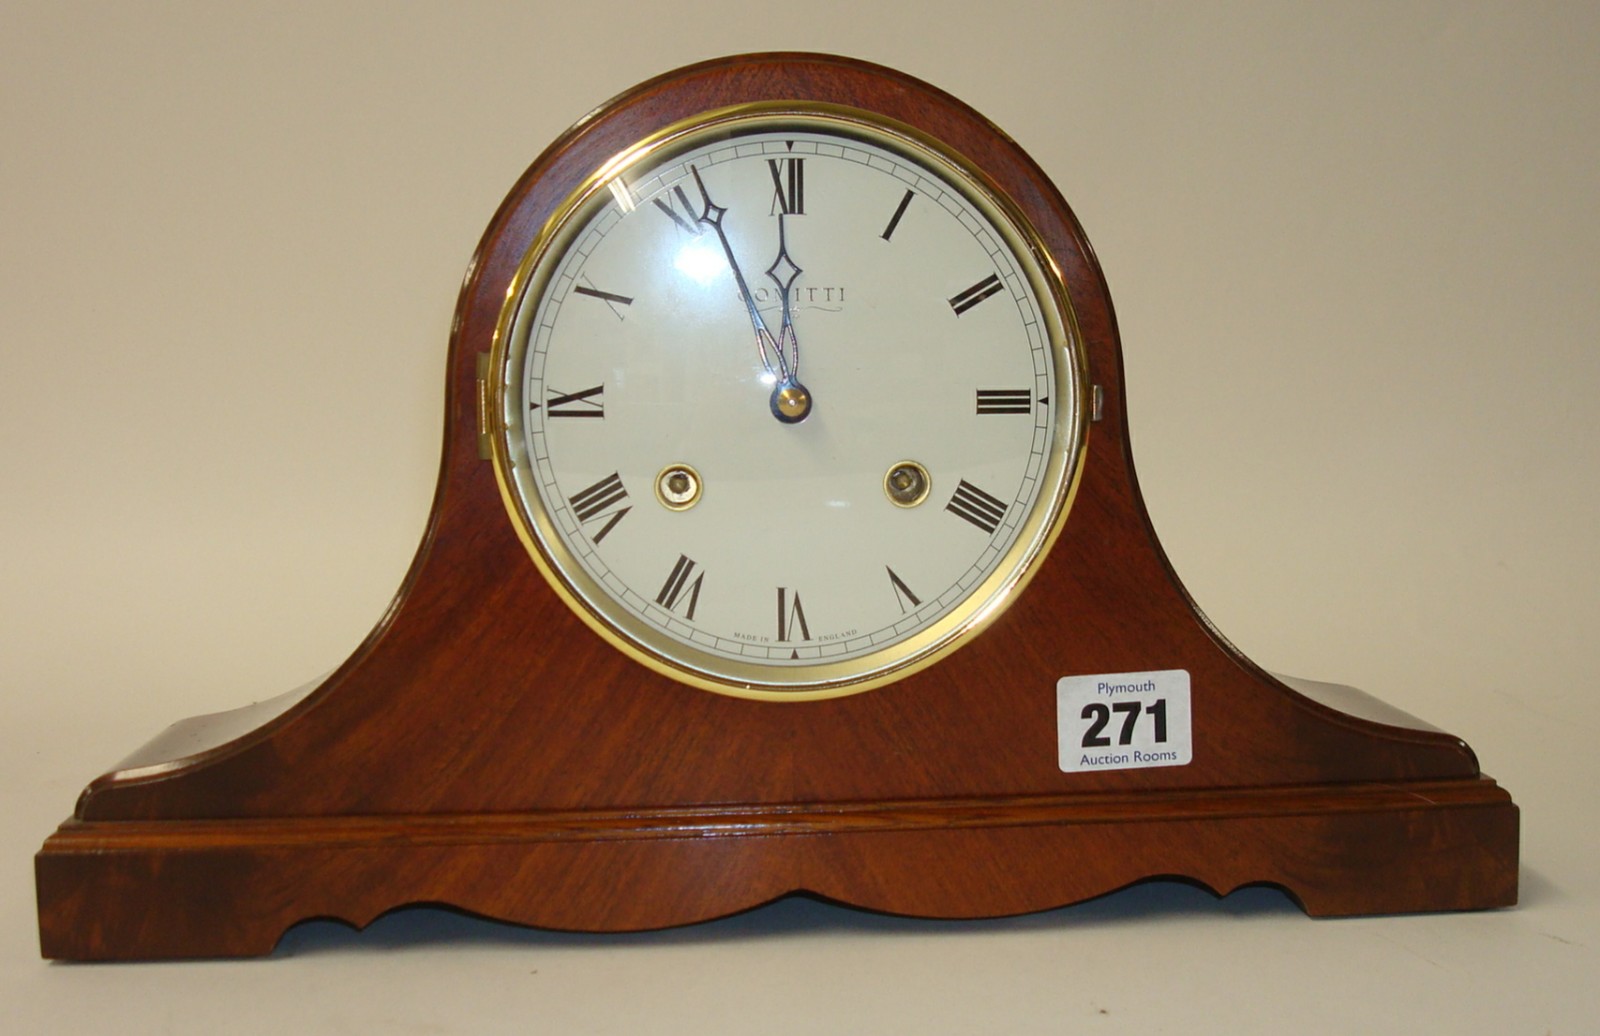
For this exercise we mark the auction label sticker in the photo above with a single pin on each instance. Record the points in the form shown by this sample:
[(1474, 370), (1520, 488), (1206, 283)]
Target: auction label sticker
[(1123, 721)]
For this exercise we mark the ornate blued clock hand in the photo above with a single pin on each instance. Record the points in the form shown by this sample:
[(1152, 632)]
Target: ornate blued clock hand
[(790, 401)]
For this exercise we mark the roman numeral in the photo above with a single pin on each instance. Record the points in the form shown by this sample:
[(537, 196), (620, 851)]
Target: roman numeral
[(610, 298), (687, 221), (1005, 401), (791, 616), (596, 502), (894, 221), (677, 583), (973, 505), (604, 296), (584, 403), (975, 294), (788, 186), (902, 592)]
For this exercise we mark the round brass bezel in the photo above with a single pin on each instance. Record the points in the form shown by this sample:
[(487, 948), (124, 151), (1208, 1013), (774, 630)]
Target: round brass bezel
[(651, 645)]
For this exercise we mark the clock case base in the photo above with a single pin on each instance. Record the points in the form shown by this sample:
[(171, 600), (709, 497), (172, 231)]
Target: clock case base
[(228, 888), (484, 749)]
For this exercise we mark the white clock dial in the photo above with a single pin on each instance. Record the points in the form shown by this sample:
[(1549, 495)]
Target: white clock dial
[(789, 405)]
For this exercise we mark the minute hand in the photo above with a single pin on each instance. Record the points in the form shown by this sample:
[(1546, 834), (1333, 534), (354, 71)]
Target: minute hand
[(711, 215)]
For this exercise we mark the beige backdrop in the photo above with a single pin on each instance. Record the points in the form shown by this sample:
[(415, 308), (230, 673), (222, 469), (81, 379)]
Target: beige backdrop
[(1353, 249)]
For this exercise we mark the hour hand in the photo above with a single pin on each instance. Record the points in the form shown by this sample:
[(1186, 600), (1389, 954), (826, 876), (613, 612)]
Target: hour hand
[(791, 401)]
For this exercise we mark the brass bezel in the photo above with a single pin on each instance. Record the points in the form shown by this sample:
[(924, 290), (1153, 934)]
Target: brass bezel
[(652, 646)]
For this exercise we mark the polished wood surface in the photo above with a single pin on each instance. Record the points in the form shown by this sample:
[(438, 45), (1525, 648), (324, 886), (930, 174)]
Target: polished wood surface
[(483, 748)]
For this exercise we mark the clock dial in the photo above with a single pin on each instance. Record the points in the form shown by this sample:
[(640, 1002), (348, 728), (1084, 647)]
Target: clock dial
[(786, 403)]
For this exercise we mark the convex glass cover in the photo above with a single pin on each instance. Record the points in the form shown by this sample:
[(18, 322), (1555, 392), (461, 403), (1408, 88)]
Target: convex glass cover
[(785, 402)]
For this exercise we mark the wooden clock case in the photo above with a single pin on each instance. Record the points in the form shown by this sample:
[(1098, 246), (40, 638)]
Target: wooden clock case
[(483, 749)]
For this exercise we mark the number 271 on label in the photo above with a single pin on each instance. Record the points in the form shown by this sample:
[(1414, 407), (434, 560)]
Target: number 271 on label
[(1123, 721)]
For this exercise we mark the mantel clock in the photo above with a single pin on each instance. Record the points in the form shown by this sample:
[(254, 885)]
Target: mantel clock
[(786, 539)]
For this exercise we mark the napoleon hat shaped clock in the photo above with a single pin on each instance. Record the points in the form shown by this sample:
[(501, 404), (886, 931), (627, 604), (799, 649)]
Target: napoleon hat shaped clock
[(786, 539)]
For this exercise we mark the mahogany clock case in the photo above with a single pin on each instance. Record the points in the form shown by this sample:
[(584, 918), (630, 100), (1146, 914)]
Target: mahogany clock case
[(483, 748)]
